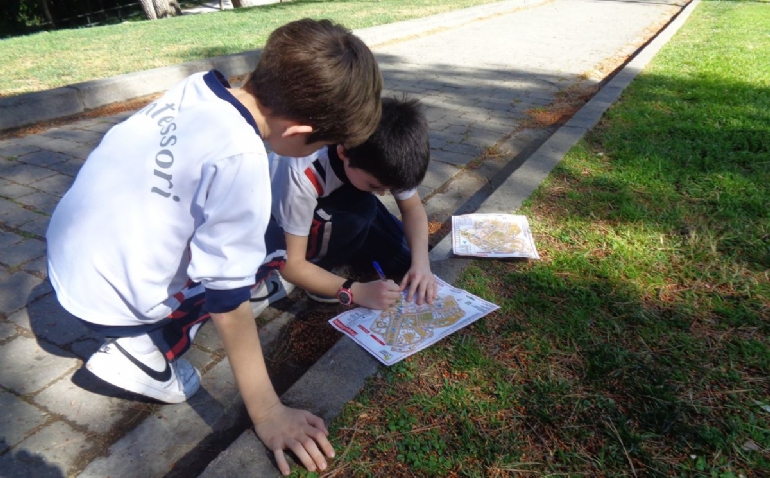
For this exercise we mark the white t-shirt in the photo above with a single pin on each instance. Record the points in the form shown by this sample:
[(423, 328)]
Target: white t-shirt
[(297, 184), (179, 191)]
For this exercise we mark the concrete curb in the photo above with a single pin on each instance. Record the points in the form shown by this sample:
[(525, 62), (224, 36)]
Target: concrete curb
[(346, 366), (30, 108)]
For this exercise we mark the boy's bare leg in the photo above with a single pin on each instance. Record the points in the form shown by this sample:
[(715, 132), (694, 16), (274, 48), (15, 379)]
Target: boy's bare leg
[(279, 427)]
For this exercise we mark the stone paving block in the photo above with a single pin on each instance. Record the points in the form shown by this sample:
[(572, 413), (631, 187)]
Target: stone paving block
[(22, 252), (10, 149), (423, 191), (435, 117), (12, 190), (62, 145), (35, 140), (37, 226), (49, 321), (41, 201), (28, 367), (17, 289), (17, 420), (24, 464), (43, 158), (220, 386), (57, 184), (456, 119), (390, 203), (534, 102), (452, 134), (94, 412), (439, 173), (409, 89), (450, 157), (39, 267), (8, 239), (13, 215), (83, 151), (438, 125), (74, 134), (23, 173), (55, 447), (482, 128), (71, 167), (454, 198), (545, 92), (490, 109), (158, 437), (483, 138), (458, 130), (208, 338), (100, 126), (462, 148), (7, 330), (437, 143), (199, 358)]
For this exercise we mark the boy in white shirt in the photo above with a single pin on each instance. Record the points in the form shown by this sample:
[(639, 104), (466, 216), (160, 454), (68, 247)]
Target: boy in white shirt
[(156, 235), (325, 206)]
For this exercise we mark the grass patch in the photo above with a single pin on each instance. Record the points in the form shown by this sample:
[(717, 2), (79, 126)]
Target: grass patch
[(639, 345), (51, 59)]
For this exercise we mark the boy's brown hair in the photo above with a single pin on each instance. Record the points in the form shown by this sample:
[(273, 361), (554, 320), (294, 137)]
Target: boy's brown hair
[(318, 73)]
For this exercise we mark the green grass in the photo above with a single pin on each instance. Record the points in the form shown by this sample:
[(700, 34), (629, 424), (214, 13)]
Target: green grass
[(52, 59), (639, 345)]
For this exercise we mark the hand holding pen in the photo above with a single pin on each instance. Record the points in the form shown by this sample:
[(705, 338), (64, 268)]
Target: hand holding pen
[(378, 294), (379, 271)]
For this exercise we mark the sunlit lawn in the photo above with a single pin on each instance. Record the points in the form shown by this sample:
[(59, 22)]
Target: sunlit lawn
[(47, 60), (638, 345)]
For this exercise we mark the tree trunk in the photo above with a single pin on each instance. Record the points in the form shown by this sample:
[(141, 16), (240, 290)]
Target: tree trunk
[(163, 8), (149, 9), (47, 12)]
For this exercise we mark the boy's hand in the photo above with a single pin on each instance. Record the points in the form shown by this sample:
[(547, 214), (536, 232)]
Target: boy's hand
[(378, 294), (422, 285), (298, 430)]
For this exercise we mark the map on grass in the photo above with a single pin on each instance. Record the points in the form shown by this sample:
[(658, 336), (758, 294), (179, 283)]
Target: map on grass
[(406, 328), (492, 235)]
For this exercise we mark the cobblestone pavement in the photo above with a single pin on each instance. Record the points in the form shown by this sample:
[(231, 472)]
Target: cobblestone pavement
[(483, 84)]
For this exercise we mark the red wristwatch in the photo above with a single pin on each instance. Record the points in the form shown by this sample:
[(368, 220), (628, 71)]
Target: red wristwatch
[(345, 293)]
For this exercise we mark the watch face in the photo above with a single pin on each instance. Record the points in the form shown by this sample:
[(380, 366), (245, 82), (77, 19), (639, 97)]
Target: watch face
[(344, 297)]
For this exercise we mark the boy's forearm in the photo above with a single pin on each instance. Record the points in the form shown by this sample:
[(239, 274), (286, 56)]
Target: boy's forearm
[(307, 275), (238, 331), (416, 231)]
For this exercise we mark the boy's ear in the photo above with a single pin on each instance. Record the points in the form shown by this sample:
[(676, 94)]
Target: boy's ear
[(296, 129), (342, 153)]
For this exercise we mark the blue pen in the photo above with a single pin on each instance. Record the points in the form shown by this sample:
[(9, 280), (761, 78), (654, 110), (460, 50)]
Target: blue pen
[(379, 271)]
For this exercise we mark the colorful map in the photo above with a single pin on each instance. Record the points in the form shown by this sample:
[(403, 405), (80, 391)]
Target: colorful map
[(492, 235), (406, 328)]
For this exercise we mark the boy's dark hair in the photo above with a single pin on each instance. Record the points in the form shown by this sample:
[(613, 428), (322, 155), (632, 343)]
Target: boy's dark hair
[(398, 152), (318, 73)]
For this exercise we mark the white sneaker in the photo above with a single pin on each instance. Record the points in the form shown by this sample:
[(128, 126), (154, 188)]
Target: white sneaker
[(175, 383), (273, 289)]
